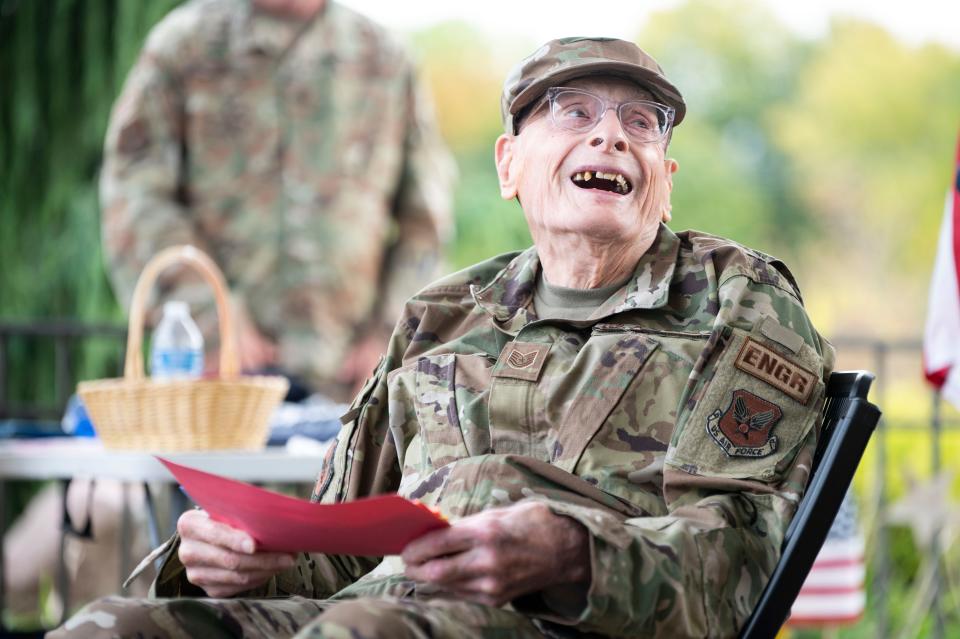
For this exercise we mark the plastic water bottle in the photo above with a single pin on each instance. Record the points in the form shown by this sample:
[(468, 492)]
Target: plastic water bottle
[(176, 351)]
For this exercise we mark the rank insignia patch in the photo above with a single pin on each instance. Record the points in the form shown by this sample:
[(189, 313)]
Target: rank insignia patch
[(743, 430), (521, 360)]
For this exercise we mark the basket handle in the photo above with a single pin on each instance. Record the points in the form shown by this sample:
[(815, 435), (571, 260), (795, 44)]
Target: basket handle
[(133, 367)]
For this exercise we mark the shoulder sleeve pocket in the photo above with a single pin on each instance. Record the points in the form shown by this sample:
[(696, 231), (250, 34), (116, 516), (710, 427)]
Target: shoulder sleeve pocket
[(762, 396)]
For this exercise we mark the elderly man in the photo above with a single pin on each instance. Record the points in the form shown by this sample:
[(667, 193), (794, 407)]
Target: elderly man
[(618, 421)]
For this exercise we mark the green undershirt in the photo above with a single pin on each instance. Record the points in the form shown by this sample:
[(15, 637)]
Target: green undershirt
[(559, 302)]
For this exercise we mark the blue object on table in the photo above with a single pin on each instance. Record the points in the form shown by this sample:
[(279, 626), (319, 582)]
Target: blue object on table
[(317, 417), (75, 420), (28, 429)]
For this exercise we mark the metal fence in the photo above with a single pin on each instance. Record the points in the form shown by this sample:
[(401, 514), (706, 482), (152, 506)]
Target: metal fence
[(64, 336), (879, 356)]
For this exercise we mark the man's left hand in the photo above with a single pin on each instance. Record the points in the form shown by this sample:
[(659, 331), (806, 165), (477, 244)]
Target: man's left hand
[(500, 554)]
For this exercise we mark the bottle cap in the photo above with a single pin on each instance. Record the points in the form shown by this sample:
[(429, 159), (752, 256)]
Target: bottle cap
[(176, 307)]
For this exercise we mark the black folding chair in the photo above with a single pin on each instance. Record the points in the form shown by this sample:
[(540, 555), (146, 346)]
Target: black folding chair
[(848, 422)]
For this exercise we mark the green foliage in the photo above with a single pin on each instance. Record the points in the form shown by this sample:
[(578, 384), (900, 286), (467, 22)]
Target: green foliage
[(870, 134), (464, 77), (733, 62), (896, 612), (712, 192), (908, 458), (908, 452), (62, 64), (904, 557), (486, 224)]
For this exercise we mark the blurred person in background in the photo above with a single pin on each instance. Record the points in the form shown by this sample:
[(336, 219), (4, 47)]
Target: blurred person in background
[(290, 141)]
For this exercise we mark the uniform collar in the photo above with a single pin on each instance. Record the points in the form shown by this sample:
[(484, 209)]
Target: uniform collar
[(508, 298), (262, 33)]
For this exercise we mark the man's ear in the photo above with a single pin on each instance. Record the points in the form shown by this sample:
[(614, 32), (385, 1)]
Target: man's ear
[(672, 167), (504, 156)]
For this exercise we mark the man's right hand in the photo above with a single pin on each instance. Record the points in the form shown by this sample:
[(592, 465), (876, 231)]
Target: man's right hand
[(223, 560), (255, 350)]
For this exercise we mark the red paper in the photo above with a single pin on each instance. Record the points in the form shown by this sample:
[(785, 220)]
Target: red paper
[(374, 526)]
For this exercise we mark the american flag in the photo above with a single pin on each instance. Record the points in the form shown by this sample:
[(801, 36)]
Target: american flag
[(941, 341), (834, 593)]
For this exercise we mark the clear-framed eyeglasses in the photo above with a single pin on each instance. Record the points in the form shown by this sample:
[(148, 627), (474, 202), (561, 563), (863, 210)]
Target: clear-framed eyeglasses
[(580, 111)]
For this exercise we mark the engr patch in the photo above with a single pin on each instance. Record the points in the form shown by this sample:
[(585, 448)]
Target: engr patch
[(778, 371)]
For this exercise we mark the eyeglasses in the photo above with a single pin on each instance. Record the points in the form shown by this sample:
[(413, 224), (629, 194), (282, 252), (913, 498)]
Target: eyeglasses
[(580, 111)]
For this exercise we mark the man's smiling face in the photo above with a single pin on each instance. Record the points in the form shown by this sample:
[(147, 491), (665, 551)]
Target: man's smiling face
[(600, 183)]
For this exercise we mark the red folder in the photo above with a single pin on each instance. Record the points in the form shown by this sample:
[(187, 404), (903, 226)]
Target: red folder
[(374, 526)]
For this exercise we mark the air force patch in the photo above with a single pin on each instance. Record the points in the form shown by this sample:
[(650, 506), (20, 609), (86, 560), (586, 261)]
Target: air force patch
[(743, 430)]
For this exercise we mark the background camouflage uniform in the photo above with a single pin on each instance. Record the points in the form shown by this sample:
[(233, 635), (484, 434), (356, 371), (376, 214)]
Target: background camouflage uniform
[(608, 423), (296, 154)]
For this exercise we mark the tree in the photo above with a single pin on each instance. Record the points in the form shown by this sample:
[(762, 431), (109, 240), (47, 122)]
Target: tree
[(465, 72), (62, 63), (870, 137), (734, 63)]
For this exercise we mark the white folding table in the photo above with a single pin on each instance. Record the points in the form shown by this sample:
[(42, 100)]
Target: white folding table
[(69, 458)]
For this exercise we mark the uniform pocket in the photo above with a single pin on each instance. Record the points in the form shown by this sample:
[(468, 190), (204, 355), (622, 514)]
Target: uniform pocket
[(450, 400), (761, 399)]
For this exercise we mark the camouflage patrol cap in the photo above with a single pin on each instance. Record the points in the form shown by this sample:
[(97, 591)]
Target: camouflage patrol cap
[(567, 58)]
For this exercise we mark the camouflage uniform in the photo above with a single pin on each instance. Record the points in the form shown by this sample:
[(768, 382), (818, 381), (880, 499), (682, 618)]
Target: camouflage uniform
[(300, 155), (677, 424)]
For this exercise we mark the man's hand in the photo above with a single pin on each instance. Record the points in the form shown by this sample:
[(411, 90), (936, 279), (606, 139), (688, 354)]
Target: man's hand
[(500, 554), (223, 560), (256, 351)]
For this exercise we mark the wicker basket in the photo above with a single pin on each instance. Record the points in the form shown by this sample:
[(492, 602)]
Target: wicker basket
[(137, 413)]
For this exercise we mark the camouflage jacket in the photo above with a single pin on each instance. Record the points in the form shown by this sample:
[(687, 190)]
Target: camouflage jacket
[(677, 425), (301, 156)]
